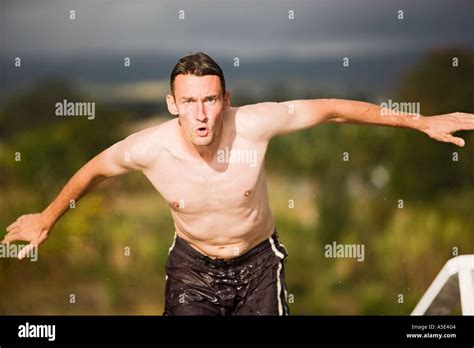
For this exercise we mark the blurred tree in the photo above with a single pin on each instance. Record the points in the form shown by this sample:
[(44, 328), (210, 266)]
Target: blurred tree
[(421, 167), (441, 83), (52, 148), (27, 109)]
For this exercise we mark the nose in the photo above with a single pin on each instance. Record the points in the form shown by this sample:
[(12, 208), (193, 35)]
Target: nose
[(201, 114)]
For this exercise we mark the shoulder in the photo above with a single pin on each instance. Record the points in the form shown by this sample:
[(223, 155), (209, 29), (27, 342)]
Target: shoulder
[(144, 147), (255, 121)]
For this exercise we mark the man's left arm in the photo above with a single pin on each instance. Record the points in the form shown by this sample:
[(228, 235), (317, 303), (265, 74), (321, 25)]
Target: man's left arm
[(289, 116), (439, 127)]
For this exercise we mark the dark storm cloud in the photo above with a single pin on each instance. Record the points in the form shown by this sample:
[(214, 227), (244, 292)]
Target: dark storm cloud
[(247, 29)]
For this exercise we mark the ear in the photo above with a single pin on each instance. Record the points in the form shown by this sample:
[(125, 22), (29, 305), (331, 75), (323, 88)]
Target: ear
[(226, 100), (172, 108)]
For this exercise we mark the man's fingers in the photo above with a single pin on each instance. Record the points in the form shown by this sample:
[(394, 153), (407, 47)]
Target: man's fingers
[(14, 224), (26, 250), (460, 142), (448, 138), (467, 121), (14, 229), (455, 140), (11, 237), (468, 125)]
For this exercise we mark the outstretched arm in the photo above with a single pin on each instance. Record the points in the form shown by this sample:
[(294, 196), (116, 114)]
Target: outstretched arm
[(272, 119), (120, 158)]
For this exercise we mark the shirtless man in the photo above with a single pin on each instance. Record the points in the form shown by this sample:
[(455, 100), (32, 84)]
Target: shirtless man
[(208, 163)]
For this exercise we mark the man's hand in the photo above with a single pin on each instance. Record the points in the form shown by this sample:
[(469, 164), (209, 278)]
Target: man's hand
[(441, 127), (32, 228)]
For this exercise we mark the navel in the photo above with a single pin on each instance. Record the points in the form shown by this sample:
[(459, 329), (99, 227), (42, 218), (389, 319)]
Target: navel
[(247, 193)]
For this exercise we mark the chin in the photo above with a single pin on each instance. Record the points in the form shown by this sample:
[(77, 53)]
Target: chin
[(202, 141)]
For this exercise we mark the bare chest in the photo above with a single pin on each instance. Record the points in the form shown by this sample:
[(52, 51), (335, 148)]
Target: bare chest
[(233, 179)]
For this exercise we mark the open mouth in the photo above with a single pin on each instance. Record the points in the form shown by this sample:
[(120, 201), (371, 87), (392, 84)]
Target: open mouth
[(202, 131)]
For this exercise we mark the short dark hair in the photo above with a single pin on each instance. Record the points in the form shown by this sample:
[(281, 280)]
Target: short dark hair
[(198, 64)]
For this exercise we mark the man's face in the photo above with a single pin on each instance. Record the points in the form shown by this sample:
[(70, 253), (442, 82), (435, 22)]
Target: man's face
[(199, 102)]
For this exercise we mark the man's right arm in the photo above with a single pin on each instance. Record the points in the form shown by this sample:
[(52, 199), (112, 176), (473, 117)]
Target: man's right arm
[(115, 160), (122, 157)]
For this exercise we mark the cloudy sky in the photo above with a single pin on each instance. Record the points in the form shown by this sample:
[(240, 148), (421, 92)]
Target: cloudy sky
[(258, 32), (248, 29)]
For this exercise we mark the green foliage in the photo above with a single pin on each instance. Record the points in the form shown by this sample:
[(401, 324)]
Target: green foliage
[(335, 200), (48, 149), (439, 86), (423, 168), (32, 108)]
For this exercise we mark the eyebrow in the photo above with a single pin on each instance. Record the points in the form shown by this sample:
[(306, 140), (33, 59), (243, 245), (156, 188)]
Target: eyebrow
[(206, 97)]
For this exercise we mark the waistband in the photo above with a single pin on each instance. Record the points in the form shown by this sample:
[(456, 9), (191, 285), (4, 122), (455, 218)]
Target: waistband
[(182, 246)]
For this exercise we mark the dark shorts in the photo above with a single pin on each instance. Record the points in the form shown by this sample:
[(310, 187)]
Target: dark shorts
[(249, 284)]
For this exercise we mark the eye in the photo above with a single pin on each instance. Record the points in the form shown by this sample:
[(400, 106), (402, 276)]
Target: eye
[(211, 100)]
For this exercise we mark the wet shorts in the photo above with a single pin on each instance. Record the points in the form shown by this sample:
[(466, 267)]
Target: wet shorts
[(249, 284)]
